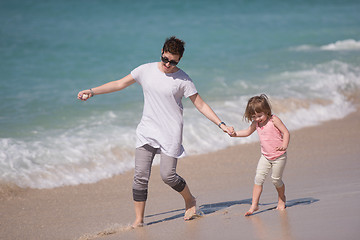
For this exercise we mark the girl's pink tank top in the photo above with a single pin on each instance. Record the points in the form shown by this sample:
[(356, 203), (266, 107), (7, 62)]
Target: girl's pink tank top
[(270, 138)]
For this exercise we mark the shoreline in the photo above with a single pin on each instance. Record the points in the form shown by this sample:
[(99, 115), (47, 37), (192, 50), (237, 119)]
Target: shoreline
[(321, 197)]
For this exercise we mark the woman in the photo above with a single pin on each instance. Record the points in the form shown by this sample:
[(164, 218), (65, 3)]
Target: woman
[(161, 126)]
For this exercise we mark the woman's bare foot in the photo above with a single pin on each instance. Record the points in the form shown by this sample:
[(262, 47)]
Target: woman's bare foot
[(251, 210), (137, 224), (139, 214), (190, 209)]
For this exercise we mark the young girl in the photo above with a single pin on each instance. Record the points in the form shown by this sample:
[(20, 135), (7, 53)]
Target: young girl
[(274, 140)]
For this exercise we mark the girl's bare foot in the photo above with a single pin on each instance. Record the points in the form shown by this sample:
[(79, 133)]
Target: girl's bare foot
[(281, 205), (190, 210), (281, 202), (282, 198), (251, 210)]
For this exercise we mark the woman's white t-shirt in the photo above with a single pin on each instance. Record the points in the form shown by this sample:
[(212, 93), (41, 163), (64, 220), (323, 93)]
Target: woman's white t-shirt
[(161, 125)]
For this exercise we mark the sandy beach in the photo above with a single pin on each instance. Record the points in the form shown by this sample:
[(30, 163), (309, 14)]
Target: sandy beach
[(322, 188)]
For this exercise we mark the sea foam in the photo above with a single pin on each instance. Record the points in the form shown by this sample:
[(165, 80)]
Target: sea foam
[(341, 45)]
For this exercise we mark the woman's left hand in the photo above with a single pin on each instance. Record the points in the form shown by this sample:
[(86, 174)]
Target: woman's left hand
[(228, 129)]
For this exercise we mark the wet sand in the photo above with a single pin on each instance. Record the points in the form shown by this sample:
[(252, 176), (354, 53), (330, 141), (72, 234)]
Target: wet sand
[(322, 188)]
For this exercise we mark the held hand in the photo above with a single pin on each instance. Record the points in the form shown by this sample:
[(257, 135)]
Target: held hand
[(233, 134), (229, 130)]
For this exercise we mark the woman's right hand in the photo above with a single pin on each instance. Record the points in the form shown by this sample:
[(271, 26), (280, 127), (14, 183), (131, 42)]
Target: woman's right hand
[(84, 95)]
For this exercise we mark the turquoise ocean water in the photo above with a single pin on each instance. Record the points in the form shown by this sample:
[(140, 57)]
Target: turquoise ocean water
[(305, 55)]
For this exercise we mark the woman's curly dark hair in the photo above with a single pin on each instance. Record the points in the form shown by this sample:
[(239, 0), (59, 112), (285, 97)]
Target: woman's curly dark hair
[(174, 46)]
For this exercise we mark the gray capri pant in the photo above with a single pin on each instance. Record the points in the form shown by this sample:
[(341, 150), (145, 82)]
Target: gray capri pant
[(144, 157), (264, 167)]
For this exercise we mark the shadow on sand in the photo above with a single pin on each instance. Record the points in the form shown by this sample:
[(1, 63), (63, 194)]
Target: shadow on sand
[(206, 209), (291, 203)]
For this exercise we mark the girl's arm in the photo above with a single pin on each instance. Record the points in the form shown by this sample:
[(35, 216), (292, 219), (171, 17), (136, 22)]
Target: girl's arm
[(108, 87), (286, 134), (246, 132), (206, 110)]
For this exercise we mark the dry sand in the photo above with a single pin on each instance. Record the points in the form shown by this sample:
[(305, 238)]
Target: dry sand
[(322, 188)]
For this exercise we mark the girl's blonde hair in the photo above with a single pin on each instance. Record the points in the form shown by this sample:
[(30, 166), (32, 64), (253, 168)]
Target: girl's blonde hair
[(255, 105)]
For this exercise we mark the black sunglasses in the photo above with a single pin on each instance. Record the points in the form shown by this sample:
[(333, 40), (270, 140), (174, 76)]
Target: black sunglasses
[(166, 60)]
